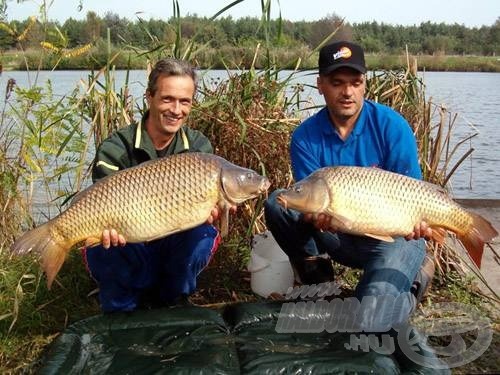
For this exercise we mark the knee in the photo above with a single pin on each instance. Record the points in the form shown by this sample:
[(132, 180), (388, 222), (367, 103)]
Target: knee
[(381, 312), (201, 232), (116, 263), (413, 255), (203, 242), (417, 246)]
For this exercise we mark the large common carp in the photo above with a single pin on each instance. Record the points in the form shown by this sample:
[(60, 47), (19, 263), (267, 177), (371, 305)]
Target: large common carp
[(381, 204), (146, 202)]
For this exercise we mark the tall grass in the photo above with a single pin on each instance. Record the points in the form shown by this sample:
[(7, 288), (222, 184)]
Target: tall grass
[(236, 57), (432, 124), (105, 107), (13, 206)]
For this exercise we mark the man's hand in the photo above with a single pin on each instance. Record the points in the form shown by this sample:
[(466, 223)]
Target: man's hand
[(214, 215), (108, 238), (322, 222), (421, 230)]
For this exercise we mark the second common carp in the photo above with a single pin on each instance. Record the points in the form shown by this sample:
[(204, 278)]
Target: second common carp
[(381, 204)]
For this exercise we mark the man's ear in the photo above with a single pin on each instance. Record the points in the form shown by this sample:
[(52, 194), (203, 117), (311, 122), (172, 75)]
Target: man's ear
[(148, 96), (318, 84)]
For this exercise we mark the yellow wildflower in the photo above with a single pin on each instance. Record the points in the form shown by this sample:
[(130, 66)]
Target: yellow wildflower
[(77, 51), (50, 47)]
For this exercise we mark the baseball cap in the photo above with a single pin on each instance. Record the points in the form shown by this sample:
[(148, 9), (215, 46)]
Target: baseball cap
[(341, 54)]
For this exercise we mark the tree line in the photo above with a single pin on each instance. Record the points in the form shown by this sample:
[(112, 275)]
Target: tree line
[(426, 38)]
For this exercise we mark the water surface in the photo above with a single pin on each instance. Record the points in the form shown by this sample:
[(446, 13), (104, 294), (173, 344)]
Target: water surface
[(475, 97)]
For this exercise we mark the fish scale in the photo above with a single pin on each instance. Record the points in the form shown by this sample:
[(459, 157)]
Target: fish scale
[(149, 201), (389, 194), (383, 204)]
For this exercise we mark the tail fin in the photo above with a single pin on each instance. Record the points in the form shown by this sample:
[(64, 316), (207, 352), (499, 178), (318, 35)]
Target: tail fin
[(39, 240), (482, 231)]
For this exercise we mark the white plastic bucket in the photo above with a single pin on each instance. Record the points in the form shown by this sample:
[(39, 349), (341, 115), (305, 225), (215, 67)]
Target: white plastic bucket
[(271, 271)]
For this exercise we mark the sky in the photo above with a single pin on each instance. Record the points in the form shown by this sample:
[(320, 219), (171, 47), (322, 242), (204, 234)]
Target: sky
[(471, 13)]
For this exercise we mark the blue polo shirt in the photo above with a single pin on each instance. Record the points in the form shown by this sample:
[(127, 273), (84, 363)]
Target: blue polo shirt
[(381, 138)]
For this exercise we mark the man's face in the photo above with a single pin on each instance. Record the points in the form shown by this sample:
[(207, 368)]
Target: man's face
[(171, 103), (344, 91)]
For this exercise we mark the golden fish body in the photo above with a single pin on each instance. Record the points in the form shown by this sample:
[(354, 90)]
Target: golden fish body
[(146, 202), (382, 204)]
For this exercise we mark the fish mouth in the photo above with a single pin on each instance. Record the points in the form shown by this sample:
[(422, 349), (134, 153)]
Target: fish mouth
[(264, 186), (253, 192)]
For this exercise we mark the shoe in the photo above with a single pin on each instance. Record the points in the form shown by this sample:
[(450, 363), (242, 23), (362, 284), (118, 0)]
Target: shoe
[(314, 270), (423, 280), (415, 355)]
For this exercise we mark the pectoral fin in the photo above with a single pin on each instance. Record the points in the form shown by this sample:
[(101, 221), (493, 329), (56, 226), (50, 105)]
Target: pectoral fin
[(340, 222), (92, 241), (380, 237)]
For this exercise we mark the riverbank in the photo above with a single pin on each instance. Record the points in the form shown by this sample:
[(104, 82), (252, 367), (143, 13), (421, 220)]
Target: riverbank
[(435, 63), (242, 58)]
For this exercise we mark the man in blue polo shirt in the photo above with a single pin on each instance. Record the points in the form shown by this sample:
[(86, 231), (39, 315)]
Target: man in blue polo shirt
[(351, 130)]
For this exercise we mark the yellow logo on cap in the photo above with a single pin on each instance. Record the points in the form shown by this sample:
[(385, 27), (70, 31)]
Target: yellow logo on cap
[(343, 52)]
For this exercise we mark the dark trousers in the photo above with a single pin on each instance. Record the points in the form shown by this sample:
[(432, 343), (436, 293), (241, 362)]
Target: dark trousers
[(152, 273)]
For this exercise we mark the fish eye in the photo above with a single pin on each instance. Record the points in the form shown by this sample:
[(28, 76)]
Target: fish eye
[(245, 176), (298, 189)]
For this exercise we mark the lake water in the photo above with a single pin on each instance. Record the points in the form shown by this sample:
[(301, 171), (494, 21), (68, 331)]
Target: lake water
[(475, 97)]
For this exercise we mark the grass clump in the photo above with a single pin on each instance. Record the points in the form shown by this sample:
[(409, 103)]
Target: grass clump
[(32, 316)]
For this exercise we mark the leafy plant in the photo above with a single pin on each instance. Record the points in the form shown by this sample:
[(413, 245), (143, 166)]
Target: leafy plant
[(51, 140)]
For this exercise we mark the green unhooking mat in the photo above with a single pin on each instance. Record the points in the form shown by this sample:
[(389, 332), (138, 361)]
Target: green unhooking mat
[(239, 339)]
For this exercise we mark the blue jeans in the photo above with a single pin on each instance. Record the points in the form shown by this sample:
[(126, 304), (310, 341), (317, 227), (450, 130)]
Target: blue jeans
[(155, 272), (389, 268)]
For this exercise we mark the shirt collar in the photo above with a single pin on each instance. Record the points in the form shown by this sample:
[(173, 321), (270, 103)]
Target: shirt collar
[(328, 128), (142, 139)]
